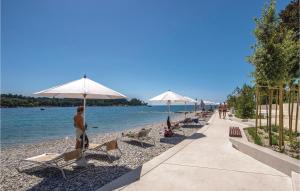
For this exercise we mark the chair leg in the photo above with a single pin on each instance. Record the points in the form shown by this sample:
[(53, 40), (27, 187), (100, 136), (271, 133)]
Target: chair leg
[(18, 168), (108, 156), (63, 173), (61, 170), (120, 151)]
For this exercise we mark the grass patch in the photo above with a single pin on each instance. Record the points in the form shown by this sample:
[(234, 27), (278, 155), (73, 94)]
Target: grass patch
[(274, 140), (252, 133), (296, 157)]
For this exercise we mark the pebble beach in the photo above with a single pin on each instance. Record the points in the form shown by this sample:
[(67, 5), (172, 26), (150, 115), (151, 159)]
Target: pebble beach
[(100, 169)]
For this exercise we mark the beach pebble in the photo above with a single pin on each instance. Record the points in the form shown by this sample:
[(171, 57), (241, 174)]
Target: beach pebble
[(100, 172)]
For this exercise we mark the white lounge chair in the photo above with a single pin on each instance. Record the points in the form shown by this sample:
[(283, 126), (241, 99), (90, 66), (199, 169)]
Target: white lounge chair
[(176, 127), (106, 147), (55, 160), (142, 135)]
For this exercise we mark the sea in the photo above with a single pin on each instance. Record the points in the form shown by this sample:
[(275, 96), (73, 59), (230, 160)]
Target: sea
[(31, 125)]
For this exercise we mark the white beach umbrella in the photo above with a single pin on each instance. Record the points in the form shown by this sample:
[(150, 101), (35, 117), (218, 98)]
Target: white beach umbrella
[(169, 97), (189, 100), (83, 88), (206, 102)]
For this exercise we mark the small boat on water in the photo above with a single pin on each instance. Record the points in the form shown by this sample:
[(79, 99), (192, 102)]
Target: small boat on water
[(42, 109)]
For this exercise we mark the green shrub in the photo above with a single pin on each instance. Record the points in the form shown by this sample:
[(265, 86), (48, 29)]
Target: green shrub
[(294, 144), (252, 133), (296, 157), (274, 140), (275, 128)]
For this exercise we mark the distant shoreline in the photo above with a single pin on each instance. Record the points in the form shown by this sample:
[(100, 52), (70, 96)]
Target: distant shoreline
[(14, 100)]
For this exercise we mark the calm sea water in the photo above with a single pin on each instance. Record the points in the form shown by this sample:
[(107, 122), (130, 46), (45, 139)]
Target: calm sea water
[(29, 125)]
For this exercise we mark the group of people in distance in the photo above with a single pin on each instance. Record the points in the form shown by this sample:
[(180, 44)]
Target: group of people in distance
[(222, 110)]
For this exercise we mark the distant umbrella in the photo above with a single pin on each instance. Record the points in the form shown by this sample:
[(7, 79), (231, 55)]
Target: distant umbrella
[(169, 97)]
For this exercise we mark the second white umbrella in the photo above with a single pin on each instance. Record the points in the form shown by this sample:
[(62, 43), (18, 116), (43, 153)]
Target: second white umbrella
[(169, 97)]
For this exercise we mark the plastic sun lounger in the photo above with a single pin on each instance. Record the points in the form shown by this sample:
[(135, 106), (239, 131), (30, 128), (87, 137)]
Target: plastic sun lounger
[(106, 147), (193, 125), (142, 135), (54, 160)]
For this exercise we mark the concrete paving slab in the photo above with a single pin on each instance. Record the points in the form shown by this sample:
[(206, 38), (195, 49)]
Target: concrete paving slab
[(177, 177)]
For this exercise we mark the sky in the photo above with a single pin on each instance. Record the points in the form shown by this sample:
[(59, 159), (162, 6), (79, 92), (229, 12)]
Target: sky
[(141, 48)]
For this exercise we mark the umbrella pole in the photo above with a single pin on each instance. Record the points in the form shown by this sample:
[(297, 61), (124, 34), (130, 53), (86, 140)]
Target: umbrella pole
[(169, 108), (84, 103), (185, 110)]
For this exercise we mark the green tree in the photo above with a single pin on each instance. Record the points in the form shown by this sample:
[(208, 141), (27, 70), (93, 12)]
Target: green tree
[(245, 103), (267, 58), (290, 18)]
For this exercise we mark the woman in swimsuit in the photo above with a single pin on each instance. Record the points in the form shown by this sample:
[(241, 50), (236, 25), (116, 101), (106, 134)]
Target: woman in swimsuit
[(220, 110), (224, 110)]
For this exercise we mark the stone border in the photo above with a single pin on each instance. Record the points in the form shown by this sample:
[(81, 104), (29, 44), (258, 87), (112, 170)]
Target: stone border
[(276, 160), (296, 181)]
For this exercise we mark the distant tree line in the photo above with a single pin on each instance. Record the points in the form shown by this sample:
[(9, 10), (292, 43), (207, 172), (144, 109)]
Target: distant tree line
[(14, 100)]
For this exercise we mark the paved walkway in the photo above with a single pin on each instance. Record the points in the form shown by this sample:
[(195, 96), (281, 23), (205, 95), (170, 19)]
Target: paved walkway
[(209, 162)]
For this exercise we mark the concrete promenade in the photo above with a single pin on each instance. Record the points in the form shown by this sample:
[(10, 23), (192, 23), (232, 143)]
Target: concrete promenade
[(208, 162)]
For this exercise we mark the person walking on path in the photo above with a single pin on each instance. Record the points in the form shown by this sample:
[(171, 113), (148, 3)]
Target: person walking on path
[(220, 110), (224, 110)]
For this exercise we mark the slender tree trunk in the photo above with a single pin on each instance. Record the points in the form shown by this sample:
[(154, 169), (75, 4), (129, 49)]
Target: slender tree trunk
[(281, 140), (289, 108), (256, 112), (276, 108), (292, 112), (260, 112), (297, 112), (267, 110), (270, 115)]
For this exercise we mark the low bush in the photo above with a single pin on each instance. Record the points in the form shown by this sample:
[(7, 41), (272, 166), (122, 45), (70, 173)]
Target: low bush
[(252, 133), (274, 140)]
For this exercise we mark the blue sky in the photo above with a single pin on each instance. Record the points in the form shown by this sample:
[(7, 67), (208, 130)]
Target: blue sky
[(137, 47)]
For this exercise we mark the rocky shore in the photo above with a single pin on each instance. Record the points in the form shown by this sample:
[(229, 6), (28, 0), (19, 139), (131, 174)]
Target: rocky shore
[(100, 170)]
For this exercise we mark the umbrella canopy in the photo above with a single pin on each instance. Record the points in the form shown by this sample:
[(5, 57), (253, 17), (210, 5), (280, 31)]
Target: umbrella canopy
[(210, 102), (169, 96), (190, 100), (82, 88)]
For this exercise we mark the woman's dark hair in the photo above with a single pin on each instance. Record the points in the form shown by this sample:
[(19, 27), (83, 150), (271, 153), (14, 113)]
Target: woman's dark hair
[(80, 109)]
